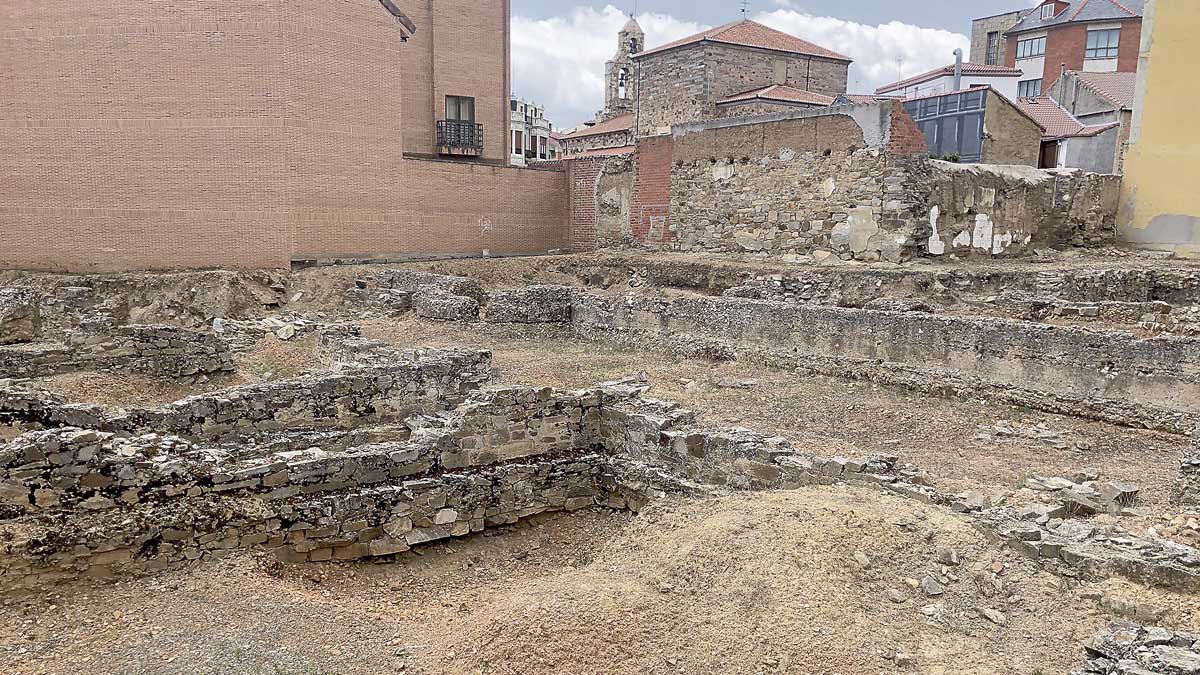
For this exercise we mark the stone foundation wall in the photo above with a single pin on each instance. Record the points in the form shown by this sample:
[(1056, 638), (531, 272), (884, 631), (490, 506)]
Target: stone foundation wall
[(1156, 379), (162, 351)]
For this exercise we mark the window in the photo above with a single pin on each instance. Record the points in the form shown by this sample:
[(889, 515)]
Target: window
[(1031, 48), (517, 145), (633, 45), (1048, 11), (460, 108), (623, 84), (514, 105), (1103, 44), (1029, 88), (993, 48)]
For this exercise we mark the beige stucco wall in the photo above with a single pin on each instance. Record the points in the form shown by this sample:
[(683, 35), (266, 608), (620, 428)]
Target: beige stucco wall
[(1160, 205)]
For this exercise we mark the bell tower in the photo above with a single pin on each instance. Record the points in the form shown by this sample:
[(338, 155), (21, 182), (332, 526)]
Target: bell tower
[(620, 74)]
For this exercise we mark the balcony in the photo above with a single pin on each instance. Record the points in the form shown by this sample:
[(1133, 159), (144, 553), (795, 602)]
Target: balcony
[(456, 137)]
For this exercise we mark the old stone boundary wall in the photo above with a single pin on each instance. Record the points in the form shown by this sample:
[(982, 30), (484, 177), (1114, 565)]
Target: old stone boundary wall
[(853, 180)]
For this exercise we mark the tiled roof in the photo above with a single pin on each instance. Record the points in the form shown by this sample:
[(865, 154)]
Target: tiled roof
[(1120, 89), (779, 92), (858, 99), (968, 70), (748, 33), (1081, 10), (602, 152), (1056, 121), (618, 123)]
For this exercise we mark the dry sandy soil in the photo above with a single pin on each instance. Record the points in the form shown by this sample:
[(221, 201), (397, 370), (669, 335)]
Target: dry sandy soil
[(762, 583)]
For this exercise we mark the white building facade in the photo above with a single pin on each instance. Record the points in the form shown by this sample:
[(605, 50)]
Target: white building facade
[(530, 133)]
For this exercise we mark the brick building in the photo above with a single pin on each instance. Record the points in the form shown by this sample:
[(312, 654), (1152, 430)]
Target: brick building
[(251, 134), (1084, 35)]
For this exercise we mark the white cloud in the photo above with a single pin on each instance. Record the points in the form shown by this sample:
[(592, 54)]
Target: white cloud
[(559, 62), (875, 49)]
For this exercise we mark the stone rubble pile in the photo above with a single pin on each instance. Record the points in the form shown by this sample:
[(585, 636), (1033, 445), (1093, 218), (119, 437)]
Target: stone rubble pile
[(1004, 430), (1127, 648)]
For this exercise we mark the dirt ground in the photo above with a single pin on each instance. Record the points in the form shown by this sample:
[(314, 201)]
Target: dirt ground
[(762, 583)]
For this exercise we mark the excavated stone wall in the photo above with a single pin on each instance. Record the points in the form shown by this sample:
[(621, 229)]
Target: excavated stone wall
[(163, 351)]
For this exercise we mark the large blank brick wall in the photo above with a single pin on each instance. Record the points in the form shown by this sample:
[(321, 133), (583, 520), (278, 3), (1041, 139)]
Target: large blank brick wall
[(233, 133)]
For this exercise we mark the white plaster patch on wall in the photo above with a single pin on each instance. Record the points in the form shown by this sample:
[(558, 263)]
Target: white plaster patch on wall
[(1001, 242), (936, 245), (963, 239), (722, 172), (828, 187), (982, 237), (862, 228)]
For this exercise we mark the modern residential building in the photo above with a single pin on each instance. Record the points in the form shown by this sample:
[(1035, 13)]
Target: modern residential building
[(988, 43), (942, 80), (1068, 142), (740, 68), (456, 90), (1098, 99), (1080, 35), (531, 133), (306, 130), (977, 125)]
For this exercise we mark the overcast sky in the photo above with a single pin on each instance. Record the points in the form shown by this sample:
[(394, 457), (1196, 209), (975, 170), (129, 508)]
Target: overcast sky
[(560, 46)]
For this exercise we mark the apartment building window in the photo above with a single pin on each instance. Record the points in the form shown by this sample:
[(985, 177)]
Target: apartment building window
[(460, 108), (518, 146), (1029, 88), (993, 48), (1103, 44), (1031, 48)]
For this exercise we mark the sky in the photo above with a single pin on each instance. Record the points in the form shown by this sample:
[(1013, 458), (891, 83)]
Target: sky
[(560, 46)]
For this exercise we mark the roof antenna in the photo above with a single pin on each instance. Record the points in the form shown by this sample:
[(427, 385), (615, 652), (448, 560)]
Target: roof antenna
[(745, 7)]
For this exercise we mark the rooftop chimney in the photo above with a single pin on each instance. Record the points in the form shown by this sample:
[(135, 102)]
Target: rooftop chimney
[(958, 56)]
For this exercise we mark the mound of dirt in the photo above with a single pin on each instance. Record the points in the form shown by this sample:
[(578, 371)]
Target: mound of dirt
[(816, 581)]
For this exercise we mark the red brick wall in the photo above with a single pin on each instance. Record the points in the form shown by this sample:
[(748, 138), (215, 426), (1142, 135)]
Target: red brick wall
[(905, 137), (650, 205), (458, 50), (241, 133), (582, 175)]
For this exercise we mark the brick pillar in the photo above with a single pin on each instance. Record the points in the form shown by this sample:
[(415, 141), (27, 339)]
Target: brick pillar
[(581, 201), (650, 206)]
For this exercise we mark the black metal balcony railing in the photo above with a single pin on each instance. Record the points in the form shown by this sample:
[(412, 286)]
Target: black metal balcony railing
[(459, 135)]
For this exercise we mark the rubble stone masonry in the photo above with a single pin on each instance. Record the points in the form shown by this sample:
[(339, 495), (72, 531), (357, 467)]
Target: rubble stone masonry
[(854, 181)]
